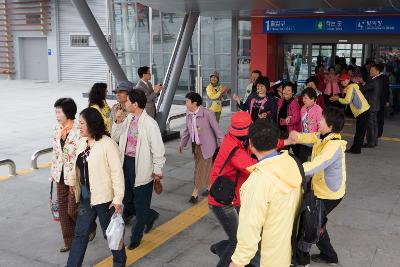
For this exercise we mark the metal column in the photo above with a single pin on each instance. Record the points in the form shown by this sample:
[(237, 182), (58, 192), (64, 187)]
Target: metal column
[(170, 90), (99, 38)]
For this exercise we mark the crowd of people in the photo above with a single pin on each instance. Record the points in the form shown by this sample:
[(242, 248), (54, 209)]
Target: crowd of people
[(280, 142)]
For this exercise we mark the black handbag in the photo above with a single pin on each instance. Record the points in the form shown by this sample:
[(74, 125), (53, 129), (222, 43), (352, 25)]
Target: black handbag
[(223, 189)]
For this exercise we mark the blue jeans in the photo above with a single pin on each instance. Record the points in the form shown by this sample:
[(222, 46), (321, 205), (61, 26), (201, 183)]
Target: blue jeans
[(86, 217), (228, 217), (138, 200)]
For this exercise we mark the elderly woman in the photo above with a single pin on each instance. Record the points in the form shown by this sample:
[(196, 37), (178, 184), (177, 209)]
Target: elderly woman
[(205, 136), (259, 104), (97, 100), (65, 142), (97, 173), (232, 161)]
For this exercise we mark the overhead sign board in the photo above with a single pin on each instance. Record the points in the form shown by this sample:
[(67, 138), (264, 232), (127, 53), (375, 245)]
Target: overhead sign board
[(390, 24)]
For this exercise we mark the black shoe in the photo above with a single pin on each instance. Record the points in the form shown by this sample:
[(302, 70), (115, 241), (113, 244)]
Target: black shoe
[(353, 151), (127, 218), (368, 146), (205, 193), (133, 245), (213, 249), (322, 258), (150, 225), (193, 199)]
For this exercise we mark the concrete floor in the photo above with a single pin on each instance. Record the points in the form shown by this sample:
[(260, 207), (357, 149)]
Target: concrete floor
[(365, 228)]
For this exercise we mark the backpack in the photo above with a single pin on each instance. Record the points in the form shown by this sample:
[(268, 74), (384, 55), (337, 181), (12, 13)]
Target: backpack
[(312, 217)]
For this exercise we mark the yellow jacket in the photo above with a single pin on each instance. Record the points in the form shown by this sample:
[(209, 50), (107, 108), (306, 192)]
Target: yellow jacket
[(327, 166), (354, 97), (270, 201), (106, 177), (214, 93), (106, 114)]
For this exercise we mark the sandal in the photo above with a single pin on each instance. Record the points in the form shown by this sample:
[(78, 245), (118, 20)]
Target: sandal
[(64, 249)]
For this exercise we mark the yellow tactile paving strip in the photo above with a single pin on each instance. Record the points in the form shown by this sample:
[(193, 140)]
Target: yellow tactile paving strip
[(26, 171), (162, 234)]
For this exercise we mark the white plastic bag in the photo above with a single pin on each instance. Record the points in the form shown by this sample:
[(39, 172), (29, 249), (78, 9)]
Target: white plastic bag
[(115, 232)]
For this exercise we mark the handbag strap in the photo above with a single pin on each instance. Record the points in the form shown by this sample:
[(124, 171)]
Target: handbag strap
[(51, 189), (303, 175), (228, 159)]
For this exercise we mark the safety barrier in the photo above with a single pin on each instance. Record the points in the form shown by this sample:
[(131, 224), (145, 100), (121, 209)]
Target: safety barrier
[(11, 166), (174, 118), (35, 156)]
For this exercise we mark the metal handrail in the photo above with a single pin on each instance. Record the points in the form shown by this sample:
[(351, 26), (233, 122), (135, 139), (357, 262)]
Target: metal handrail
[(11, 166), (174, 118), (37, 154)]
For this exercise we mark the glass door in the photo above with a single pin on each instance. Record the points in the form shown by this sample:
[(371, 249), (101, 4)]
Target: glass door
[(296, 61), (322, 54)]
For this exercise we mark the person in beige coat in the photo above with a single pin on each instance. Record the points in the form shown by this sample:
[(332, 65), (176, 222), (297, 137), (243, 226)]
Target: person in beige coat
[(142, 153), (98, 181)]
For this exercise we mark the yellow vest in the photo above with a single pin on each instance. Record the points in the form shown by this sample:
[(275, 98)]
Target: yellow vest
[(214, 93), (326, 154), (354, 97)]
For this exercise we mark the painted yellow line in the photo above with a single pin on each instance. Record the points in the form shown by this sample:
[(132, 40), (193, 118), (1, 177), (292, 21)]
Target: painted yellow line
[(393, 139), (26, 171), (163, 233)]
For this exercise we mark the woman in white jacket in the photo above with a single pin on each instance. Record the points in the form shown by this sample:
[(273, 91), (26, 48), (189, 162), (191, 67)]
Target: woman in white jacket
[(142, 153)]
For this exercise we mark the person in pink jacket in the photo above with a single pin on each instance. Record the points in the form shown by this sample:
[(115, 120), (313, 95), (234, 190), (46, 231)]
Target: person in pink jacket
[(311, 114), (331, 86), (288, 111)]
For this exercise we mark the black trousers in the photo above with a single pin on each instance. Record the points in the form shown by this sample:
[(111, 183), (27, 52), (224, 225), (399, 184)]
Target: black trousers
[(324, 244), (372, 129), (381, 121), (361, 129)]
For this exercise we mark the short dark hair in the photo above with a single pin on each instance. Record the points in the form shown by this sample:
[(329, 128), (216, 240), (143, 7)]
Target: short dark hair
[(313, 79), (97, 94), (94, 122), (331, 68), (351, 67), (376, 66), (264, 81), (310, 92), (291, 85), (142, 70), (68, 106), (258, 72), (194, 97), (334, 117), (139, 97), (263, 135)]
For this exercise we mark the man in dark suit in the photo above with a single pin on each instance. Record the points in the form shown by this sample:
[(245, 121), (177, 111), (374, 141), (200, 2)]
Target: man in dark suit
[(385, 98), (372, 91), (151, 93)]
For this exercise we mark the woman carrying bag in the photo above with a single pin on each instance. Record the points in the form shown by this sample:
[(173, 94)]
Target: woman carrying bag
[(99, 180), (66, 138), (229, 169)]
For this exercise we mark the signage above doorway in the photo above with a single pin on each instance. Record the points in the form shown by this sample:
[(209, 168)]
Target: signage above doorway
[(385, 25)]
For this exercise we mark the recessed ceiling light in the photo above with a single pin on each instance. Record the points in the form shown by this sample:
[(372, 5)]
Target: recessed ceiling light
[(370, 11), (319, 12)]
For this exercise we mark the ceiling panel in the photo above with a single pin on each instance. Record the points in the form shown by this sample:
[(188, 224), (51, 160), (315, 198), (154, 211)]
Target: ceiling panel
[(270, 7)]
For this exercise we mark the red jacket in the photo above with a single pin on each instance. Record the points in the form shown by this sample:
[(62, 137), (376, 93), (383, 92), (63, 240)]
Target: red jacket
[(239, 162)]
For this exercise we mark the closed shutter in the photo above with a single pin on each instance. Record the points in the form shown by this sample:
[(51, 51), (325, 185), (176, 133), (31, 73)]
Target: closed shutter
[(80, 63)]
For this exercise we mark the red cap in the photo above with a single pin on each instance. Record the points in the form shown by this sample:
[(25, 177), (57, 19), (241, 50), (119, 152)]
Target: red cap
[(344, 77), (240, 123)]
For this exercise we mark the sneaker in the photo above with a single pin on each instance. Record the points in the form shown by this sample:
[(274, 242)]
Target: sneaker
[(322, 258)]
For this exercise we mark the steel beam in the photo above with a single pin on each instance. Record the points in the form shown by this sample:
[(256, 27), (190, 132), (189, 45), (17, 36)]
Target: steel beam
[(176, 71)]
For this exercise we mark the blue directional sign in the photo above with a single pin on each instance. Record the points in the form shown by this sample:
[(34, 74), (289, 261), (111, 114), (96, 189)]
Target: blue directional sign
[(390, 24)]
